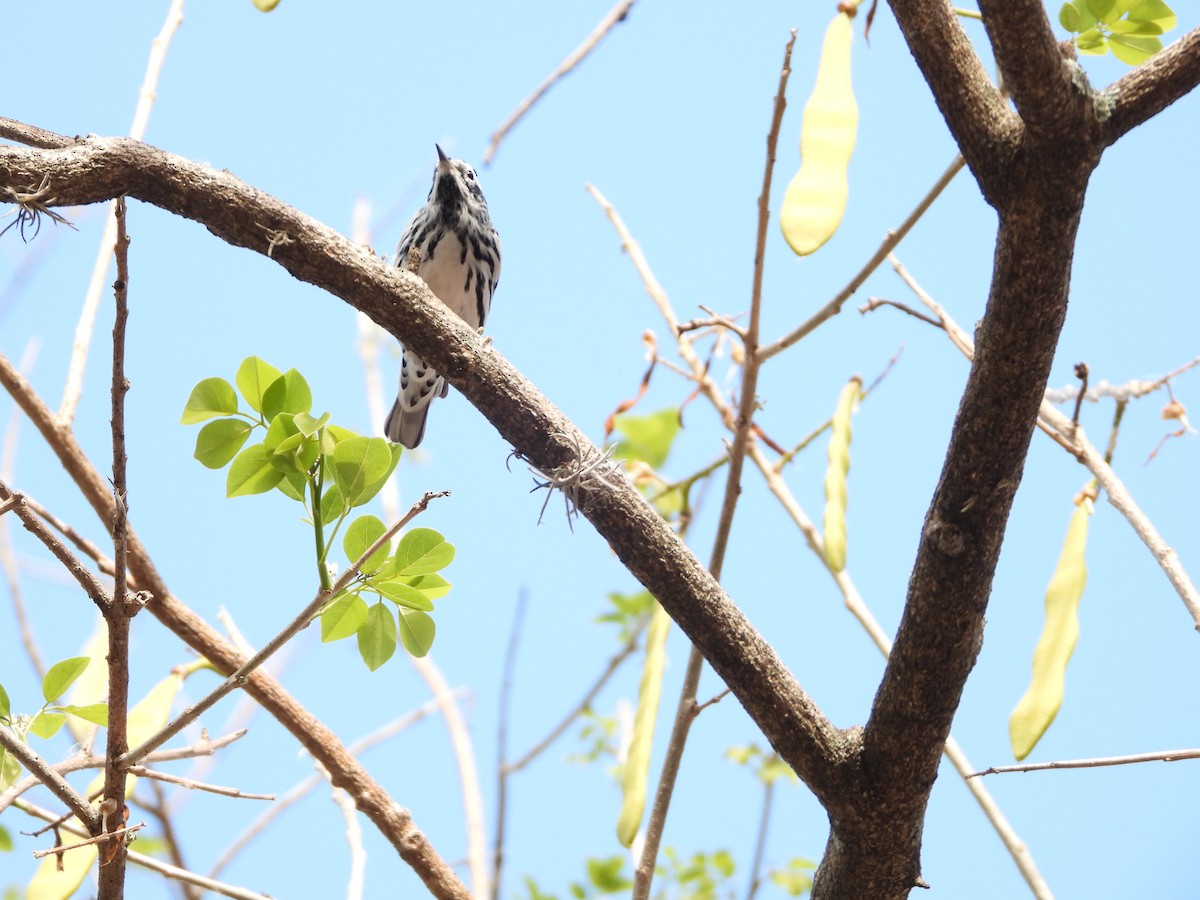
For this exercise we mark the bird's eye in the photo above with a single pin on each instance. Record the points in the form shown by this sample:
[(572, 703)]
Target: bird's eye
[(470, 174)]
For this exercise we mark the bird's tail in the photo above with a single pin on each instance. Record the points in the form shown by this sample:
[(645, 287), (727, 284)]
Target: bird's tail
[(406, 427)]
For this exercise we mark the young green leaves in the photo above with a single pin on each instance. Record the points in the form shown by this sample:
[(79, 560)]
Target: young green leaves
[(330, 470), (1130, 28), (815, 200), (1037, 709)]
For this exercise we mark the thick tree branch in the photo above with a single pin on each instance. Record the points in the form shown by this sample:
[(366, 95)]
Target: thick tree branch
[(1047, 90), (985, 127), (1151, 87), (96, 169)]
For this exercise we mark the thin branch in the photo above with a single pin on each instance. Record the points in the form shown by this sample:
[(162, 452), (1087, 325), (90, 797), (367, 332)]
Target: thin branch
[(1146, 90), (85, 759), (687, 709), (873, 303), (1132, 759), (502, 770), (306, 785), (760, 841), (120, 832), (154, 865), (91, 302), (890, 242), (104, 563), (70, 562), (190, 784), (614, 17), (293, 628), (118, 614), (8, 560), (354, 838), (46, 774)]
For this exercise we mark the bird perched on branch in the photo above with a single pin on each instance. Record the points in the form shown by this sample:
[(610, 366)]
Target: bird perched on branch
[(460, 261)]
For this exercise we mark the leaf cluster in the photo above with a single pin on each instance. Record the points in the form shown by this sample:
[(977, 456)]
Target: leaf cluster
[(46, 722), (330, 470), (1130, 28)]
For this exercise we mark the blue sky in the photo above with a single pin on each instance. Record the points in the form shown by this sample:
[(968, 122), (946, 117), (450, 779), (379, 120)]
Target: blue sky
[(322, 104)]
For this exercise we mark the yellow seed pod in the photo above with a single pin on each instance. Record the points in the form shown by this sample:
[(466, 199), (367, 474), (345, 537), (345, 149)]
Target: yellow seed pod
[(637, 760), (815, 200), (1037, 709), (835, 476)]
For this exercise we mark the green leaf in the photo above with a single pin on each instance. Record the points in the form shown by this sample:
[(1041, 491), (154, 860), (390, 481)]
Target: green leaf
[(1101, 8), (433, 586), (417, 632), (46, 723), (647, 438), (1131, 50), (253, 378), (6, 843), (377, 636), (343, 617), (1068, 18), (293, 486), (289, 393), (62, 675), (282, 427), (422, 551), (251, 473), (10, 770), (96, 713), (1155, 11), (362, 533), (210, 398), (333, 505), (605, 874), (404, 595), (360, 467), (295, 454), (1129, 26), (1093, 47), (218, 442), (308, 425), (5, 709)]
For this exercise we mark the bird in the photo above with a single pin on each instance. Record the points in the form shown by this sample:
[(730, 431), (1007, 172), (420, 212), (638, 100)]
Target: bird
[(460, 261)]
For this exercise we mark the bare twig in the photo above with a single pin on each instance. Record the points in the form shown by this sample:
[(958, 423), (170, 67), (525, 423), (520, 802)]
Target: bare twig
[(87, 324), (91, 302), (1132, 759), (873, 303), (615, 16), (687, 709), (70, 562), (298, 624), (190, 784), (890, 242), (118, 614), (50, 778), (584, 704), (8, 560), (354, 838), (760, 841), (120, 832), (502, 771), (305, 786), (154, 865)]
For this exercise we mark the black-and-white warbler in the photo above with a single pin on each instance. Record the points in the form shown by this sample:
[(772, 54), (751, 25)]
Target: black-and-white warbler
[(460, 261)]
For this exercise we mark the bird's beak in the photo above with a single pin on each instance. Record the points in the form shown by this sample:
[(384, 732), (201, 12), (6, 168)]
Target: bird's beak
[(443, 159)]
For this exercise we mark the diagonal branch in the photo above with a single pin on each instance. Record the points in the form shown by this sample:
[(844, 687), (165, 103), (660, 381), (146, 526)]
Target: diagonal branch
[(984, 126), (1153, 86), (1046, 90), (98, 169)]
